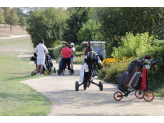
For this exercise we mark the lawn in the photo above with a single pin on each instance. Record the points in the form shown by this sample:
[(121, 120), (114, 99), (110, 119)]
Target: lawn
[(16, 98)]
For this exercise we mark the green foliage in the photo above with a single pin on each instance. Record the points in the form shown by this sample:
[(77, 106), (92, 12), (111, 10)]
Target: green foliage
[(78, 59), (79, 47), (78, 15), (138, 45), (47, 24), (115, 22), (22, 21), (111, 73), (57, 50), (6, 12), (13, 18), (90, 31), (2, 19)]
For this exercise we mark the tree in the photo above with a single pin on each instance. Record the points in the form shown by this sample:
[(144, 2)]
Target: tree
[(2, 20), (47, 24), (13, 18), (90, 31), (78, 15), (6, 12), (22, 22), (115, 22)]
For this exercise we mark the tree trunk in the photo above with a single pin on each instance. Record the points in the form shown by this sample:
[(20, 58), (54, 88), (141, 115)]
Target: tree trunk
[(10, 27)]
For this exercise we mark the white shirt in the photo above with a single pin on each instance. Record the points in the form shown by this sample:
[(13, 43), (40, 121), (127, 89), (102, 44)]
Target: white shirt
[(41, 49), (73, 49)]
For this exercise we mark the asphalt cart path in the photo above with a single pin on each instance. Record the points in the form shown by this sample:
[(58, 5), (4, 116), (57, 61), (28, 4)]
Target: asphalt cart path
[(60, 90)]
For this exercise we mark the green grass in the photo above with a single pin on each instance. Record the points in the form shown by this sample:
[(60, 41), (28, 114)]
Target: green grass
[(16, 98), (79, 53)]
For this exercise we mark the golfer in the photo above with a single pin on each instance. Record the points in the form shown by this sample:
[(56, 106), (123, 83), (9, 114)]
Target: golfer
[(88, 48), (66, 52), (73, 55), (41, 50)]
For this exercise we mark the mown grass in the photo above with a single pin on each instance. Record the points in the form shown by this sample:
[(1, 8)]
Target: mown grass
[(18, 99)]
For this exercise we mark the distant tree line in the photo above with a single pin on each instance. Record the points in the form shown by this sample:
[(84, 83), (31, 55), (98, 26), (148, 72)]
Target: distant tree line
[(14, 16)]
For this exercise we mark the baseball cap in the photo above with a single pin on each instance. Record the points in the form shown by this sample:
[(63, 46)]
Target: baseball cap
[(72, 44), (41, 41)]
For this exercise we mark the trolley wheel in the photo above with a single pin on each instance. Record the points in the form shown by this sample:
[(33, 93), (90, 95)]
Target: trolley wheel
[(77, 86), (33, 73), (117, 96), (148, 96), (59, 72), (46, 72), (100, 86), (72, 71), (139, 94), (54, 70)]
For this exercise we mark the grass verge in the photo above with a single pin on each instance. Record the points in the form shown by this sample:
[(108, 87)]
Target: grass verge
[(18, 99)]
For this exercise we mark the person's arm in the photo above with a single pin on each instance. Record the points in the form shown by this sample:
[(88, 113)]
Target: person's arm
[(45, 50), (84, 50), (61, 52), (71, 52), (36, 49)]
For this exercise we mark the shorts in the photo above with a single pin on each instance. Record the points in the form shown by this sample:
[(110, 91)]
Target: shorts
[(40, 61), (72, 59)]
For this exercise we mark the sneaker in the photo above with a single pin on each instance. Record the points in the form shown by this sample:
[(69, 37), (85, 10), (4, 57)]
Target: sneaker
[(62, 73), (36, 74), (70, 74), (41, 74)]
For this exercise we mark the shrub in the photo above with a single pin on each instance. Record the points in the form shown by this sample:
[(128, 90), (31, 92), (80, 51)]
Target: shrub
[(57, 50), (78, 59), (79, 47), (138, 45), (113, 68)]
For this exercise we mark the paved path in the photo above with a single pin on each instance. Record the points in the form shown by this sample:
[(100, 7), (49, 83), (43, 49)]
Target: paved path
[(60, 90), (13, 36)]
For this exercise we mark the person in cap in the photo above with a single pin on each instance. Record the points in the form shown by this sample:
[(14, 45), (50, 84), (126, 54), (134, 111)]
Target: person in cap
[(66, 53), (41, 50), (73, 54)]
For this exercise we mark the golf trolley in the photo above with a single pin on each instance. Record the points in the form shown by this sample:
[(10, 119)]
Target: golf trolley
[(99, 48), (60, 70), (138, 81), (47, 68), (91, 63)]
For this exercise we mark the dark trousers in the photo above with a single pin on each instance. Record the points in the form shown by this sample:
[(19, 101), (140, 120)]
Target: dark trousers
[(64, 62)]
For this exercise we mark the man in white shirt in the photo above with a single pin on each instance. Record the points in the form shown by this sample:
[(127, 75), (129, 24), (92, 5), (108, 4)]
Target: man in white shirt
[(41, 50)]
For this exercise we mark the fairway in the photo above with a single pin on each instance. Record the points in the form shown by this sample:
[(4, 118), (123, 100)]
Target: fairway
[(17, 99)]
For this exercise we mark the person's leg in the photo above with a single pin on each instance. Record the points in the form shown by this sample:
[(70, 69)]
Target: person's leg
[(38, 66), (68, 63), (63, 65), (42, 63), (37, 69), (71, 65)]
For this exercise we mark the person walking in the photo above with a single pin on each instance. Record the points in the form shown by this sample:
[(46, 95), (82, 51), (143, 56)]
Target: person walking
[(73, 55), (66, 53), (41, 50), (88, 48)]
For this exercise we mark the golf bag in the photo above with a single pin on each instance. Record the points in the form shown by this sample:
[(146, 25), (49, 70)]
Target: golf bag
[(130, 78)]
